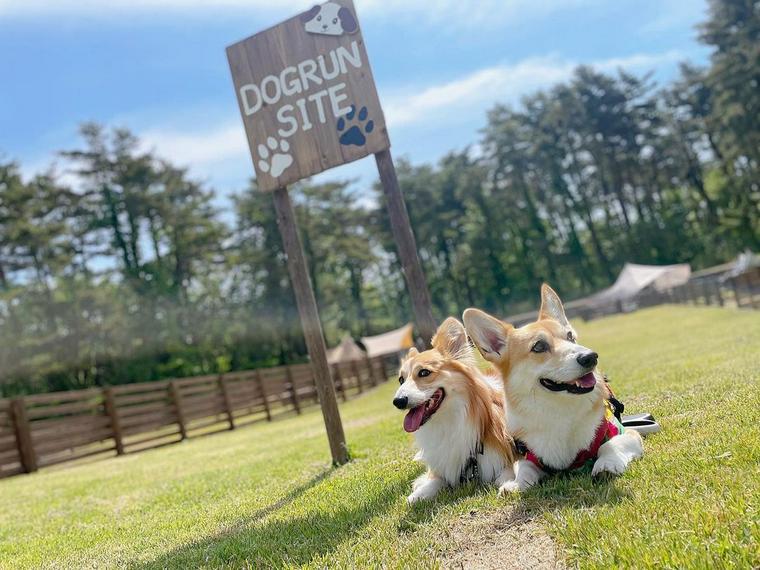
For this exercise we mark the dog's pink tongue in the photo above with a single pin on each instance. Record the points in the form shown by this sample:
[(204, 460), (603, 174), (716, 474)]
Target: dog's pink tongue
[(587, 380), (413, 418)]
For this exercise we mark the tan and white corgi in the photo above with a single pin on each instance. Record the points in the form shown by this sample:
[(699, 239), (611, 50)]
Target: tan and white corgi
[(455, 413), (557, 403)]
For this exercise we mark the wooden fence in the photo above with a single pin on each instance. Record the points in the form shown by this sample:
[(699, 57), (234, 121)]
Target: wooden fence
[(47, 429), (741, 291)]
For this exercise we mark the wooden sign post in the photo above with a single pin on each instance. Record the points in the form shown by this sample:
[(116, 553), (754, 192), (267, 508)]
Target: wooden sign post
[(308, 102)]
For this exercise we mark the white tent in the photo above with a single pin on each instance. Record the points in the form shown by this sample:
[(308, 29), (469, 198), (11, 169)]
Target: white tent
[(635, 278), (389, 342), (346, 351)]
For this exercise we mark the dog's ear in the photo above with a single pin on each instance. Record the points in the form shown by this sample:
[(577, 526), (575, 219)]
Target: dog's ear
[(412, 352), (347, 20), (551, 306), (488, 333), (451, 340), (310, 14)]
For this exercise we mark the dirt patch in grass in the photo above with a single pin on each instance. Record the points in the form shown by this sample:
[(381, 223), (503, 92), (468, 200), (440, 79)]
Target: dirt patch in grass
[(508, 538)]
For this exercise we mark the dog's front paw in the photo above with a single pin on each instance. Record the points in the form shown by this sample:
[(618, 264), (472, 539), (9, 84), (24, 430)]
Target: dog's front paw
[(510, 487), (416, 497), (613, 465)]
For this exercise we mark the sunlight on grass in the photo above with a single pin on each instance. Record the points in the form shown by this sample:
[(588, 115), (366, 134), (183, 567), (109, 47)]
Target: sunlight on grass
[(266, 496)]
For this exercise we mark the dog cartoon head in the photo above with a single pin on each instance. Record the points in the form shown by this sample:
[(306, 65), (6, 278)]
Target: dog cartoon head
[(330, 19)]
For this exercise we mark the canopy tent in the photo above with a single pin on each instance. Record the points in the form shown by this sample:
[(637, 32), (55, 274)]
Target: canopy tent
[(346, 351), (389, 342), (634, 278)]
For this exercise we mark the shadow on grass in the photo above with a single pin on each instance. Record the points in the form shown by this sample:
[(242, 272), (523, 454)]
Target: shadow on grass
[(292, 540), (574, 490)]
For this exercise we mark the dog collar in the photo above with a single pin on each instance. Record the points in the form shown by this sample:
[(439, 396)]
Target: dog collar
[(470, 470)]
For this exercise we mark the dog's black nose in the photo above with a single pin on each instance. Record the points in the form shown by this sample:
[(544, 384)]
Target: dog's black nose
[(400, 403), (588, 359)]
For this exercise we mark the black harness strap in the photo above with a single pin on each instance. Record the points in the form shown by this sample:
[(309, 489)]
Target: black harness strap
[(471, 471)]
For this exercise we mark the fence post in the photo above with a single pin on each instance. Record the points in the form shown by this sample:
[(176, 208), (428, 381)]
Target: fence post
[(113, 416), (338, 378), (293, 391), (371, 371), (226, 400), (177, 400), (264, 399), (355, 369), (737, 298), (314, 385), (23, 435), (718, 292), (751, 279)]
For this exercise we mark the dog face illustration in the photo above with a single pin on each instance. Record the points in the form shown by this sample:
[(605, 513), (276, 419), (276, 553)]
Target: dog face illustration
[(330, 19)]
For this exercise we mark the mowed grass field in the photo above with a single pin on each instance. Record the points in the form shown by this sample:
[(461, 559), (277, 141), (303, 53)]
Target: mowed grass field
[(265, 495)]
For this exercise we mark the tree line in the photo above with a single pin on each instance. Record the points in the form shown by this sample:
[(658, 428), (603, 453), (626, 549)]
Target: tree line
[(135, 274)]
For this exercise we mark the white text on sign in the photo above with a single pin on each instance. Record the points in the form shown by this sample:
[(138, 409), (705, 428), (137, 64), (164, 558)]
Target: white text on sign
[(297, 79)]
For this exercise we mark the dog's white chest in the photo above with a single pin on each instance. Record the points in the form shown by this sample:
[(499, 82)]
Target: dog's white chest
[(447, 444), (556, 433)]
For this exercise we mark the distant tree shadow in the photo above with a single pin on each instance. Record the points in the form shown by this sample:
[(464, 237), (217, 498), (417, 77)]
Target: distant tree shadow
[(293, 541)]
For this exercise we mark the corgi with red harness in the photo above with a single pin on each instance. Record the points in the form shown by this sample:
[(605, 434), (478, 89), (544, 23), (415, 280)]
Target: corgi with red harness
[(558, 406)]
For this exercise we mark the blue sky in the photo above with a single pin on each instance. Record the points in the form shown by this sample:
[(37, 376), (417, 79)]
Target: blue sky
[(159, 68)]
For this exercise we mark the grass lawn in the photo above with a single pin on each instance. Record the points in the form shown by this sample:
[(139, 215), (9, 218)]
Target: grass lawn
[(265, 495)]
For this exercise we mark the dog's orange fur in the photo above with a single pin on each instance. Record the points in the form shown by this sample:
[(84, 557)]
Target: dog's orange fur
[(520, 341), (485, 403)]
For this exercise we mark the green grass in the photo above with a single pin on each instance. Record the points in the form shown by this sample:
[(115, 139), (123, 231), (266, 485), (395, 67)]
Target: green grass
[(265, 495)]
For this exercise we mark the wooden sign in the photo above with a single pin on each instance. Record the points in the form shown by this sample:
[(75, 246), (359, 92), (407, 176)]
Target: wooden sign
[(308, 102), (307, 96)]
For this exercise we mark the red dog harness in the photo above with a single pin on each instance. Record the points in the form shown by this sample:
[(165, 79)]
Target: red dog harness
[(608, 428)]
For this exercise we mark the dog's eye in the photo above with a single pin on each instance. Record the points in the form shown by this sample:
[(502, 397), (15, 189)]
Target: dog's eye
[(570, 337), (400, 379), (539, 346), (335, 20), (319, 18), (424, 372)]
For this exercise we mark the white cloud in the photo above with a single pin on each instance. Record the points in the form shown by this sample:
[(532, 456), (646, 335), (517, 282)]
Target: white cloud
[(102, 7), (675, 14), (467, 97), (484, 86), (445, 14), (201, 148), (502, 83)]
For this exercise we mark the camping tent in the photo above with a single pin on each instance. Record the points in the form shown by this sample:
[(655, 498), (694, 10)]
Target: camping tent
[(346, 351), (389, 342), (634, 279)]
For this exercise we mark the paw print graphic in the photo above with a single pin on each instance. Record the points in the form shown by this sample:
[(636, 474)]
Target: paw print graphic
[(355, 134), (279, 161)]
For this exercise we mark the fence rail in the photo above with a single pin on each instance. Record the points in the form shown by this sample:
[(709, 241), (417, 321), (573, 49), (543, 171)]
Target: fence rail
[(741, 291), (47, 429)]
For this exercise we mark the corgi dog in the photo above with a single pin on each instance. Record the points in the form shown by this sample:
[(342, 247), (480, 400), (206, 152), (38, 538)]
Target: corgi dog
[(455, 413), (557, 404)]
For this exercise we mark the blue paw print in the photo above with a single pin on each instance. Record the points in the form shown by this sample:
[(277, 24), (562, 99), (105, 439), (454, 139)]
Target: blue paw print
[(355, 134)]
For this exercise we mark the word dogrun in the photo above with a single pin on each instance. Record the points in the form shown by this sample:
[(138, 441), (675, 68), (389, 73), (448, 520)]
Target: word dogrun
[(298, 79)]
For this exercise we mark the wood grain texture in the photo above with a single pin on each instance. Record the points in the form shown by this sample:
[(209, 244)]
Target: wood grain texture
[(140, 420), (407, 247), (23, 435), (270, 52), (176, 396), (312, 328)]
